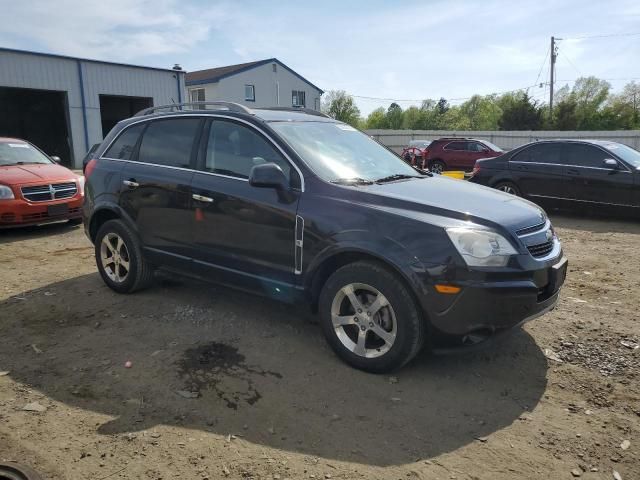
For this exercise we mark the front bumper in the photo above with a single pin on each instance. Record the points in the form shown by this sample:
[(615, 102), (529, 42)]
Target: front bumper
[(483, 308), (19, 212)]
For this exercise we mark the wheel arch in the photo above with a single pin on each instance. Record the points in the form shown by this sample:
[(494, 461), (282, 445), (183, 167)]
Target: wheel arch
[(104, 214), (331, 262)]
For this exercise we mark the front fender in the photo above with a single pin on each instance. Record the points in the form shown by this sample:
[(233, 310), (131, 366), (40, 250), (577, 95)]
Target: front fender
[(381, 248)]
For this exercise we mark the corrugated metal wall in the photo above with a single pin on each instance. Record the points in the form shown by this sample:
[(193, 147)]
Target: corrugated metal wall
[(45, 72), (398, 139)]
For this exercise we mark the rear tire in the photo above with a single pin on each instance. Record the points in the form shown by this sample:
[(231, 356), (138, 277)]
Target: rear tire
[(437, 166), (369, 317), (508, 187), (119, 258)]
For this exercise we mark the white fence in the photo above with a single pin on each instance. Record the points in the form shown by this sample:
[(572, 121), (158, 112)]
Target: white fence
[(397, 139)]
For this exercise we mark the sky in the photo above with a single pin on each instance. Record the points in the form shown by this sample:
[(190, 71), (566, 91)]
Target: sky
[(389, 50)]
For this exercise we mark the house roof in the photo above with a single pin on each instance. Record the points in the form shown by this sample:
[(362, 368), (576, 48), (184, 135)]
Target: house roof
[(213, 75)]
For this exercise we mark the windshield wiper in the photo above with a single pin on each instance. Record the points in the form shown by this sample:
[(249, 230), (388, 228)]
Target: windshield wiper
[(352, 181), (396, 176)]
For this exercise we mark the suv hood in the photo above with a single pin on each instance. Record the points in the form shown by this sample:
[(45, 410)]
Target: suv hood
[(34, 173), (459, 199)]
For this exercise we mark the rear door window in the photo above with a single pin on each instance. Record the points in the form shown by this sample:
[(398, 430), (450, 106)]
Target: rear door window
[(169, 142), (581, 155), (456, 146), (125, 144), (542, 153)]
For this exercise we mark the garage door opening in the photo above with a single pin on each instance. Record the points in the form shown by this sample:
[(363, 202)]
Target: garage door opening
[(39, 116), (114, 108)]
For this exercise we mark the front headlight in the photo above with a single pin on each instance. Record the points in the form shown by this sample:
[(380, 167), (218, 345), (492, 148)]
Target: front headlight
[(481, 248), (6, 193), (81, 185)]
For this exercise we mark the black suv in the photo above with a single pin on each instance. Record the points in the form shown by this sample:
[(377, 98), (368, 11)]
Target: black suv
[(302, 208)]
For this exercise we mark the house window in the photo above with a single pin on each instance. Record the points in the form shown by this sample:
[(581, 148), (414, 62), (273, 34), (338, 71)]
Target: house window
[(298, 98), (250, 93), (197, 95), (275, 67)]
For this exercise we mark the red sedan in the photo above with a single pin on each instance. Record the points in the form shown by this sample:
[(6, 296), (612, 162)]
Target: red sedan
[(34, 189)]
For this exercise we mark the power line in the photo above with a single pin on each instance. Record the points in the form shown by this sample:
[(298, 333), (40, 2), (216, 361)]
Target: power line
[(545, 85), (544, 62), (448, 99), (601, 36), (566, 57)]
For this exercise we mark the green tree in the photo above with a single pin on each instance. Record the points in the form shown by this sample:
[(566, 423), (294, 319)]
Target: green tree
[(590, 95), (564, 115), (442, 106), (519, 112), (394, 116), (377, 119), (482, 112), (341, 106), (412, 118)]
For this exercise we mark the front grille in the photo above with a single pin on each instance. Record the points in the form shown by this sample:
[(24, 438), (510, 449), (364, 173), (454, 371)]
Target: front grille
[(44, 193), (541, 249), (531, 229)]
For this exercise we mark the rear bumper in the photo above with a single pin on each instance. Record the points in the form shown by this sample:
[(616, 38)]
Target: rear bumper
[(19, 212), (482, 309)]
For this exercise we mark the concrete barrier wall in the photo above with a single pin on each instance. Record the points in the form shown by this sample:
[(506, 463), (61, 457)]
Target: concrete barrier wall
[(397, 139)]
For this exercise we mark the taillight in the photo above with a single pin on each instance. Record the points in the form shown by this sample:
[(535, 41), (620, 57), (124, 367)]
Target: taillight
[(476, 169), (90, 167)]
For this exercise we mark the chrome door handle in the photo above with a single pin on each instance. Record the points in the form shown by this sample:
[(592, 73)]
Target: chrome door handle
[(201, 198), (131, 183)]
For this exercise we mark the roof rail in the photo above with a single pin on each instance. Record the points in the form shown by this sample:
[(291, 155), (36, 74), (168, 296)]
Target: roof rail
[(175, 107), (308, 111)]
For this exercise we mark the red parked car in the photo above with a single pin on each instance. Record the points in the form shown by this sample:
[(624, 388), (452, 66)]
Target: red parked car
[(414, 153), (34, 189), (458, 153)]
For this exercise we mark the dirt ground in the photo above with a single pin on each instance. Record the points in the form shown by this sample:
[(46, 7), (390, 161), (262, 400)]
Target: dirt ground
[(227, 385)]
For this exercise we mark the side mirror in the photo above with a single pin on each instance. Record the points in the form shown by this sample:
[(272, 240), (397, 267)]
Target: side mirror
[(610, 162), (56, 159), (268, 175)]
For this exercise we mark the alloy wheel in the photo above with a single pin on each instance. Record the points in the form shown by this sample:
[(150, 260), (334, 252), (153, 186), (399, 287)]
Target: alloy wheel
[(115, 257), (507, 189), (363, 319), (437, 168)]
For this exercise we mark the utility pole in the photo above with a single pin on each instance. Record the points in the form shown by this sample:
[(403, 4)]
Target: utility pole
[(553, 65)]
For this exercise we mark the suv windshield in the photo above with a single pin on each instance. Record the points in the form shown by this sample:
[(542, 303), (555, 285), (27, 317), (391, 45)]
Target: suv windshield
[(626, 153), (18, 153), (338, 152)]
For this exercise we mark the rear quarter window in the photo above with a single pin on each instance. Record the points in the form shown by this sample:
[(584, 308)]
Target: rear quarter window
[(125, 144)]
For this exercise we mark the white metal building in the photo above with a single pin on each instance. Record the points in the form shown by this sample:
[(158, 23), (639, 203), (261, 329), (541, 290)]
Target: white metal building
[(64, 105), (265, 83)]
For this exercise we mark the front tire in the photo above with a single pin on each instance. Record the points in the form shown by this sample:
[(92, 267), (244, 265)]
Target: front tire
[(437, 166), (369, 317), (119, 258)]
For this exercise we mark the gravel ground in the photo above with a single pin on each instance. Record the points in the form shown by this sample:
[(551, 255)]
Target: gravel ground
[(222, 384)]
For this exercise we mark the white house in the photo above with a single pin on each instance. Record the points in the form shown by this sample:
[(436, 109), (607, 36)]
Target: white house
[(265, 83)]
